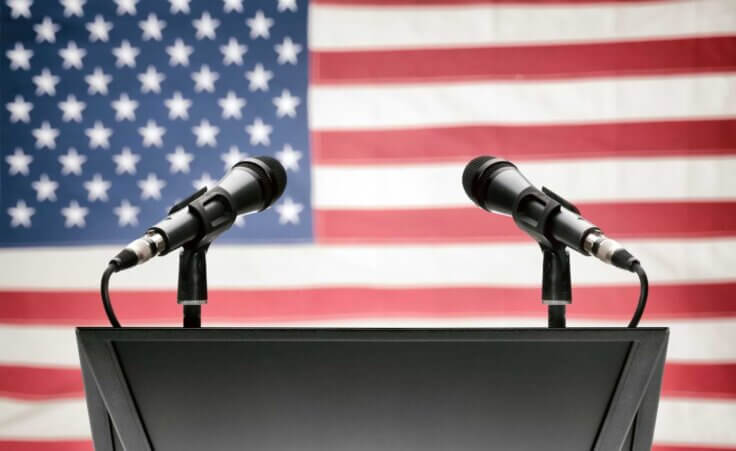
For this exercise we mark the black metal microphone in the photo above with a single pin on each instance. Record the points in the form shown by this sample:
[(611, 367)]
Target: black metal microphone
[(251, 185), (496, 185)]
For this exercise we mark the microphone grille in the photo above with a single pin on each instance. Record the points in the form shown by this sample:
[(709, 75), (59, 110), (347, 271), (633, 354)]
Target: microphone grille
[(472, 172), (277, 174)]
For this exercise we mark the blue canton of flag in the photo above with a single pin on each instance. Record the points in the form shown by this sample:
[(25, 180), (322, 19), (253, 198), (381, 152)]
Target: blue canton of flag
[(112, 111)]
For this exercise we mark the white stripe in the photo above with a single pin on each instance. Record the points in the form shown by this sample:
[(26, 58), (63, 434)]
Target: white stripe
[(57, 419), (356, 27), (545, 102), (604, 180), (696, 422)]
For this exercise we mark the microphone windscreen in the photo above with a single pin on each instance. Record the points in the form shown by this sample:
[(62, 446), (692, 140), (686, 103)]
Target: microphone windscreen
[(277, 174), (471, 174)]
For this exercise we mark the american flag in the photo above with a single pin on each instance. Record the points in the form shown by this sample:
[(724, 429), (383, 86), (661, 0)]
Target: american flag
[(113, 110)]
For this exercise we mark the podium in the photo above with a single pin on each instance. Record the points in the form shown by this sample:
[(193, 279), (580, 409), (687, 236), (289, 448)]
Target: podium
[(372, 389)]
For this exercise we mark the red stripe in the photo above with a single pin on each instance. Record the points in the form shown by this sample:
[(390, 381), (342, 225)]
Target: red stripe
[(666, 138), (697, 381), (674, 56), (689, 448), (470, 2), (36, 383), (50, 445)]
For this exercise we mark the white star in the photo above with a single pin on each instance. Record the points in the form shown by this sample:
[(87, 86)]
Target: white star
[(73, 7), (151, 187), (20, 57), (125, 54), (124, 108), (179, 6), (286, 104), (258, 78), (20, 215), (46, 31), (205, 26), (206, 133), (259, 132), (178, 106), (205, 79), (127, 214), (99, 136), (151, 80), (72, 109), (232, 157), (205, 181), (97, 188), (179, 160), (125, 161), (45, 136), (98, 82), (233, 52), (288, 211), (72, 55), (289, 157), (179, 53), (285, 5), (152, 27), (126, 7), (259, 25), (287, 50), (18, 162), (19, 109), (45, 188), (74, 215), (20, 8), (233, 5), (72, 162), (231, 105), (45, 83), (99, 30), (152, 134)]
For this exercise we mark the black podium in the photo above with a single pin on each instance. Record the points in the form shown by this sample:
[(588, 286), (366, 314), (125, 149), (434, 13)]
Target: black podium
[(372, 389)]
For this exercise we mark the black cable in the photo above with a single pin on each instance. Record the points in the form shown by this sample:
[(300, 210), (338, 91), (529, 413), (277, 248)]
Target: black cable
[(643, 293), (105, 292)]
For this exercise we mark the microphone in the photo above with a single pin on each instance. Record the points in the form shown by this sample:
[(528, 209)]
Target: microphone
[(250, 186), (496, 185)]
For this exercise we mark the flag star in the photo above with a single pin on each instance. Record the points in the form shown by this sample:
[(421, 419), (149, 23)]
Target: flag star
[(179, 160), (178, 106), (233, 52), (151, 187), (74, 215), (258, 78), (205, 79), (46, 30), (179, 53), (72, 162), (205, 26), (124, 108), (126, 7), (20, 215), (99, 30), (72, 55), (289, 157), (98, 82), (45, 83), (45, 136), (205, 181), (125, 161), (99, 136), (286, 5), (233, 5), (286, 104), (73, 7), (206, 133), (19, 109), (45, 188), (127, 213), (125, 55), (151, 80), (259, 132), (20, 57), (179, 6), (288, 51), (259, 25), (232, 157), (152, 27), (288, 211), (18, 162), (20, 8), (152, 134), (97, 188), (72, 109), (231, 105)]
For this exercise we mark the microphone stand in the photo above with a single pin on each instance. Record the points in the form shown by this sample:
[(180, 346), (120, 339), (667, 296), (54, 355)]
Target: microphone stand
[(192, 286), (556, 286)]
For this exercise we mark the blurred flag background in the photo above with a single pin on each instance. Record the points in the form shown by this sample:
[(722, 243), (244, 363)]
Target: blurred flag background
[(113, 110)]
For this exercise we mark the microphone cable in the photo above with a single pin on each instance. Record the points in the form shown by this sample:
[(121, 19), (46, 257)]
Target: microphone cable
[(643, 294), (105, 293)]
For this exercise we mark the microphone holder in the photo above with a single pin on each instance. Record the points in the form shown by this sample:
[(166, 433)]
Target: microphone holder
[(556, 285)]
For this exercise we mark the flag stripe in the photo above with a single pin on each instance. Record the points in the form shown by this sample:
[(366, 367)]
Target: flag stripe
[(46, 445), (627, 139), (703, 380)]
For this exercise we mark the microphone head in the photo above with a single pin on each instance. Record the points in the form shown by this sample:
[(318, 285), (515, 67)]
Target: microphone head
[(493, 183), (471, 174), (271, 176), (277, 173)]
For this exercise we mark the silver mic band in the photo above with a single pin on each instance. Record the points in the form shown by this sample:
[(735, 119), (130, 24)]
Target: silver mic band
[(600, 246), (148, 246)]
